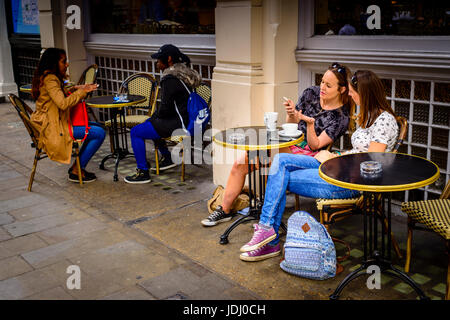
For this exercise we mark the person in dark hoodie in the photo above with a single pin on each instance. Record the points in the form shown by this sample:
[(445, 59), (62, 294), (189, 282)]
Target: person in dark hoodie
[(174, 97)]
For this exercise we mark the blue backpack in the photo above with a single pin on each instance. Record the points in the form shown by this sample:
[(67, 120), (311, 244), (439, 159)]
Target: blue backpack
[(309, 251), (198, 111)]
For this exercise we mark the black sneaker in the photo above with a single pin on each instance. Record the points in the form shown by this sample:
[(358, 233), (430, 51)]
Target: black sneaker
[(141, 176), (87, 174), (164, 164), (86, 179), (217, 217)]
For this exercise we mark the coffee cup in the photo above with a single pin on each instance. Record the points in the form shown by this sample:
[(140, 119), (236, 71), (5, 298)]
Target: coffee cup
[(270, 120), (290, 128)]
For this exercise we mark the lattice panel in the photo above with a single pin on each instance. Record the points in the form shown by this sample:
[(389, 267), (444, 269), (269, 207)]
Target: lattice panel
[(113, 70), (426, 106)]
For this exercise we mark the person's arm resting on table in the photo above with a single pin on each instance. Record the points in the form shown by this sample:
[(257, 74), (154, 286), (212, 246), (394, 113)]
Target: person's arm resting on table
[(324, 155)]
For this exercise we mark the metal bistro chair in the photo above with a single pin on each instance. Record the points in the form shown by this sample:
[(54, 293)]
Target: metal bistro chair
[(332, 210), (143, 84), (89, 76), (435, 215), (24, 112), (203, 91)]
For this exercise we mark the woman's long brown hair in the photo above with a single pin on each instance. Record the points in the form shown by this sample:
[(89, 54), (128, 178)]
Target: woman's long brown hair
[(48, 64), (372, 97), (347, 101)]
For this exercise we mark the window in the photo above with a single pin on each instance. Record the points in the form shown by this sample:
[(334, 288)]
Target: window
[(402, 17), (153, 16), (25, 16)]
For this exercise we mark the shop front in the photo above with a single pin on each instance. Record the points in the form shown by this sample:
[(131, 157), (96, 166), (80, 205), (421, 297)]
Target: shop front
[(407, 43)]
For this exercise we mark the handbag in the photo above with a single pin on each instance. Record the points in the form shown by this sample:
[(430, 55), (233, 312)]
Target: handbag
[(241, 202), (78, 117)]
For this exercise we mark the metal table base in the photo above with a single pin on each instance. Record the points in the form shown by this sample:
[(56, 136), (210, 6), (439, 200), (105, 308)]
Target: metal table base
[(263, 159), (120, 142), (380, 257)]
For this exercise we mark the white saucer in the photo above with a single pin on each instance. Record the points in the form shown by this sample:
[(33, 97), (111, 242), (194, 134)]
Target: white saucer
[(297, 134)]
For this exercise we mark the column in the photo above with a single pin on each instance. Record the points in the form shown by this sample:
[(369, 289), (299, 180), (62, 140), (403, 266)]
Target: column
[(255, 67), (54, 33), (7, 84)]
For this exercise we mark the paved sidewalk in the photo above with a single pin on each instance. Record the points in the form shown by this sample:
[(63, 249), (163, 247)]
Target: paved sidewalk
[(146, 241)]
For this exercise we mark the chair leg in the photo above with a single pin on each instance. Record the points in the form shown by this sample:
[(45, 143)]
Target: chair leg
[(157, 159), (409, 244), (33, 170), (111, 140), (447, 295), (297, 202), (80, 174), (324, 219), (182, 164)]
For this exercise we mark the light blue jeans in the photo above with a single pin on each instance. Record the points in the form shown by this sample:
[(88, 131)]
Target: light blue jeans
[(300, 175)]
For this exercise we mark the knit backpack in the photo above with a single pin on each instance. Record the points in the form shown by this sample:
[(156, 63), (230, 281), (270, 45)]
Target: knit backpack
[(309, 251)]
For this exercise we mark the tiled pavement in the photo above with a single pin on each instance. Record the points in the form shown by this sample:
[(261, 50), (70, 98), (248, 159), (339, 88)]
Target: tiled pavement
[(145, 241)]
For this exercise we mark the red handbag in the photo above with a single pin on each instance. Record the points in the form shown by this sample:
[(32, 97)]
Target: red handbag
[(78, 117)]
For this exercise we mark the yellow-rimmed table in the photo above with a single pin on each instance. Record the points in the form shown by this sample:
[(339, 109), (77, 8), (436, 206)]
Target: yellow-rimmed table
[(27, 87), (257, 142), (400, 172), (118, 129)]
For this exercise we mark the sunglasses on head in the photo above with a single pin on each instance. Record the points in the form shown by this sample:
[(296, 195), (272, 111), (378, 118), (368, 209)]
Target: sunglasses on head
[(354, 81), (339, 69)]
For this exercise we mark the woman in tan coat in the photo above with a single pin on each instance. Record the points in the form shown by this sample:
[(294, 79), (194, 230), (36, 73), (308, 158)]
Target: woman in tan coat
[(52, 113)]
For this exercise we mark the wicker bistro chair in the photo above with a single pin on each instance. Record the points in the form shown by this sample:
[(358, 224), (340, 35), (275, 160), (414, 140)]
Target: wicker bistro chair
[(332, 210), (89, 76), (143, 84), (435, 215), (24, 112), (203, 91)]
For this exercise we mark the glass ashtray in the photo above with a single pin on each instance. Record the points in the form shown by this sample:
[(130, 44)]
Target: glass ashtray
[(236, 138), (370, 168)]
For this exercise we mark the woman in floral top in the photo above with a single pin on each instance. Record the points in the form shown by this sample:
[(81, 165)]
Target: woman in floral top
[(377, 132), (322, 114)]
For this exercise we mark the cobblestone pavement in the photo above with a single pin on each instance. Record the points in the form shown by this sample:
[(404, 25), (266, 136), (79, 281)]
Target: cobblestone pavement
[(146, 241)]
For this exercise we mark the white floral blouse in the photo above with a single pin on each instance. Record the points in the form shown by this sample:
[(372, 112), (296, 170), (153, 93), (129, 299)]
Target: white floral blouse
[(383, 130)]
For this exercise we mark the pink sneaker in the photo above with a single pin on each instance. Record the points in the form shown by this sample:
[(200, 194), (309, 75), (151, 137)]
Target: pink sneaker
[(265, 252), (260, 238)]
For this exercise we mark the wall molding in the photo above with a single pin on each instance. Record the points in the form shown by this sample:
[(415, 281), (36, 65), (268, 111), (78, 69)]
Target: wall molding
[(425, 64), (200, 49)]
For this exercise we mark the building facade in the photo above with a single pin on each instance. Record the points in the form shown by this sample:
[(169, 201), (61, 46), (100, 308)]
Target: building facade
[(254, 52)]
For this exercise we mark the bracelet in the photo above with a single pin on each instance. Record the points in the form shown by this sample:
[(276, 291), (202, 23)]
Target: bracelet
[(337, 152)]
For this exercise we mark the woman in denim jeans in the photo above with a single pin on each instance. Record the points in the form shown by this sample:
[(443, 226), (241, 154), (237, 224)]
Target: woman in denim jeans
[(52, 113), (377, 132)]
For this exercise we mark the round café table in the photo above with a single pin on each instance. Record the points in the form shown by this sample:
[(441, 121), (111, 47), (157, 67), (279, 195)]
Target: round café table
[(400, 172), (257, 142), (118, 128), (27, 87)]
